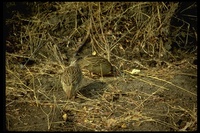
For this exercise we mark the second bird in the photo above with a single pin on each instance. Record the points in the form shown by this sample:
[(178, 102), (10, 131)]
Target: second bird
[(96, 64)]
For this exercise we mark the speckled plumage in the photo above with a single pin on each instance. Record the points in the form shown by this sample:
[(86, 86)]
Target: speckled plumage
[(71, 79), (96, 64)]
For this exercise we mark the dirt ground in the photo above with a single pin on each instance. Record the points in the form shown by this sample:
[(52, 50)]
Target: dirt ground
[(123, 103)]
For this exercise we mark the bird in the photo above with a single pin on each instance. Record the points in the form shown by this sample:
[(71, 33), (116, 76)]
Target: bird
[(71, 79), (96, 64)]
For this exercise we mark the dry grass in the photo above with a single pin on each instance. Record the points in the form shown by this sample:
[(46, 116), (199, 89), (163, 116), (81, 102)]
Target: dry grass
[(119, 32)]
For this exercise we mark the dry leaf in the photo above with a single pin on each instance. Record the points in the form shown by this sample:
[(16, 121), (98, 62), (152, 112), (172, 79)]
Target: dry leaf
[(64, 117)]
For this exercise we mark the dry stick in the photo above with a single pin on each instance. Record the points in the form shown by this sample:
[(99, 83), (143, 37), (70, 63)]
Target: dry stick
[(39, 46), (147, 97), (192, 113), (54, 107), (24, 85), (172, 84), (136, 62), (152, 93), (163, 81), (187, 74), (116, 43), (166, 124), (157, 86), (104, 41), (93, 37), (82, 43), (16, 55), (35, 96), (113, 45), (47, 115), (107, 47)]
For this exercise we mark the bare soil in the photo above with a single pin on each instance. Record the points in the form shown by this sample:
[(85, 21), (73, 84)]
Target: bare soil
[(130, 103)]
